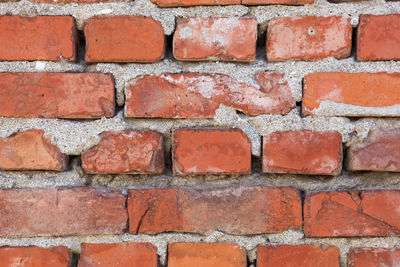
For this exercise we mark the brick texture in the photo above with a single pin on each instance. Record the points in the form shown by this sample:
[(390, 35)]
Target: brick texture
[(50, 38), (274, 2), (126, 152), (233, 210), (372, 257), (57, 95), (172, 3)]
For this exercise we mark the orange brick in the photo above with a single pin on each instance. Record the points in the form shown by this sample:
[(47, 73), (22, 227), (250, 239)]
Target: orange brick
[(211, 151), (275, 2), (298, 255), (308, 38), (304, 152), (118, 255), (373, 257), (206, 255), (223, 39), (35, 256), (123, 39), (351, 94), (232, 210), (30, 150), (57, 95), (126, 152), (172, 3), (50, 38)]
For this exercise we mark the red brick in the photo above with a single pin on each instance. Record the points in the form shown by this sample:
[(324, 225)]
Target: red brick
[(38, 38), (118, 255), (353, 213), (123, 39), (126, 152), (298, 255), (210, 151), (206, 255), (61, 212), (57, 95), (378, 152), (377, 37), (372, 257), (222, 39), (303, 152), (232, 210), (351, 94), (193, 95), (275, 2), (172, 3), (35, 256), (308, 38), (30, 150)]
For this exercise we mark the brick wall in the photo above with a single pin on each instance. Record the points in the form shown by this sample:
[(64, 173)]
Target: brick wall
[(199, 133)]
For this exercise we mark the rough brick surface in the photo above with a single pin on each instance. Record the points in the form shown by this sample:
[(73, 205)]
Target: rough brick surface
[(377, 37), (373, 257), (206, 255), (274, 2), (211, 151), (30, 150), (304, 152), (57, 95), (379, 152), (37, 38), (172, 3), (224, 39), (308, 38), (298, 255), (123, 39), (35, 257), (233, 210), (351, 94), (126, 152), (60, 212), (118, 255), (199, 95), (354, 213)]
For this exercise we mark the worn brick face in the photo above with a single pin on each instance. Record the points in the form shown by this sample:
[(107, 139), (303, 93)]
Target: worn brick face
[(353, 213), (50, 38), (61, 212), (228, 39), (303, 152), (172, 3), (118, 255), (35, 257), (373, 257), (206, 255), (232, 210), (211, 151), (308, 38), (126, 152), (193, 95), (30, 150), (274, 2), (297, 255), (123, 39), (351, 94)]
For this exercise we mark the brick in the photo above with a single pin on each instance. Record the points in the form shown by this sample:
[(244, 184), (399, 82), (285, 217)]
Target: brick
[(50, 38), (275, 2), (173, 3), (30, 150), (35, 256), (206, 255), (123, 39), (372, 257), (303, 152), (297, 255), (61, 212), (193, 95), (57, 95), (352, 213), (377, 37), (351, 94), (126, 152), (222, 39), (118, 255), (378, 152), (232, 210), (210, 151), (308, 38)]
